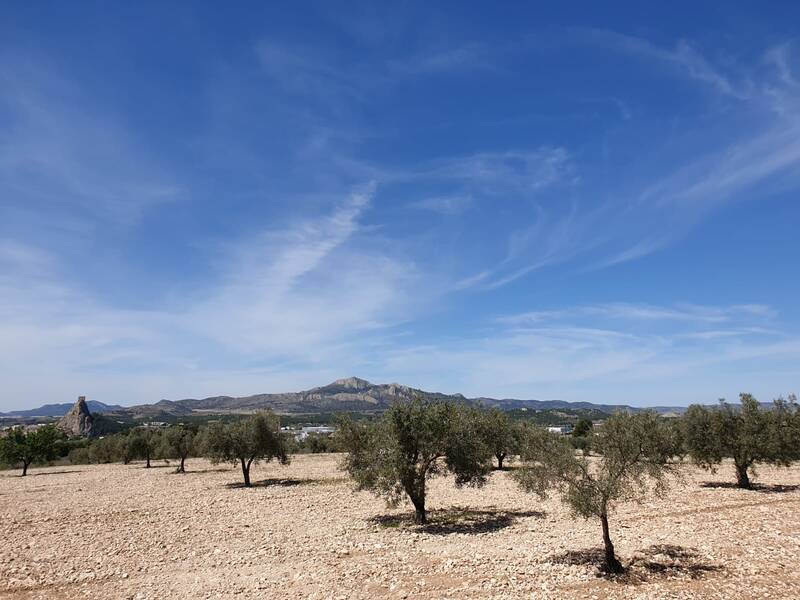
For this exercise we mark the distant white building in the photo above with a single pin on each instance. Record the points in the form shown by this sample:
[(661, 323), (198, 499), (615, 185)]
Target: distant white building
[(560, 429), (316, 430)]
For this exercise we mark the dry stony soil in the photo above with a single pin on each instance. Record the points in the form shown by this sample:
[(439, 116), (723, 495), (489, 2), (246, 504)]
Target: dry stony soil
[(123, 531)]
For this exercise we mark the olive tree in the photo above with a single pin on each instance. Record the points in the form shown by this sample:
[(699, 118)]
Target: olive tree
[(747, 434), (178, 442), (500, 434), (635, 459), (413, 442), (246, 441), (143, 443), (21, 447), (583, 427), (106, 449)]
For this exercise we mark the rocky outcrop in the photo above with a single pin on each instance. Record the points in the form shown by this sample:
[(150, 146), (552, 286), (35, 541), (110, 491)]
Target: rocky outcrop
[(78, 421), (351, 383)]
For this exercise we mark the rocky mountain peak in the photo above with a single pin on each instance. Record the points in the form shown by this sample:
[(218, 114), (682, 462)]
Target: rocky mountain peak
[(352, 383), (78, 421)]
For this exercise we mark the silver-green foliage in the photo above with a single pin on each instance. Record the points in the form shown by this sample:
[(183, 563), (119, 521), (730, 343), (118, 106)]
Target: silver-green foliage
[(413, 442), (500, 433), (178, 442), (21, 447), (246, 441), (635, 458), (747, 434)]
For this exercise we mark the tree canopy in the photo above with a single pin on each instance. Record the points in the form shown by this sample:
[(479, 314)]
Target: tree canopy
[(21, 447), (583, 427), (636, 453), (746, 433), (143, 443), (178, 442), (413, 442), (246, 441), (500, 434)]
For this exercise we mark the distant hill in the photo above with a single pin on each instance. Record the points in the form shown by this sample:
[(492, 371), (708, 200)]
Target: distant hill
[(59, 410), (344, 395)]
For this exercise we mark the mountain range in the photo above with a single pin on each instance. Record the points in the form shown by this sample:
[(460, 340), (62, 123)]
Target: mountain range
[(344, 395)]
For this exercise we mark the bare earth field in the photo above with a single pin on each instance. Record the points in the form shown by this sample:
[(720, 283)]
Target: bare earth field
[(115, 531)]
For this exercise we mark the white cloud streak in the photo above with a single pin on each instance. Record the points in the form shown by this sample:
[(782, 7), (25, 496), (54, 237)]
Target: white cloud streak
[(304, 297), (59, 156)]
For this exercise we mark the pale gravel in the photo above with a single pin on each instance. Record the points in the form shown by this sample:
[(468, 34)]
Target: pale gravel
[(123, 531)]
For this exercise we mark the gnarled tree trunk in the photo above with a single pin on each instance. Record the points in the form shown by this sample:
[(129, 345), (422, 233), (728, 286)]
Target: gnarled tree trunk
[(742, 477), (25, 468), (500, 456), (611, 564), (420, 516), (415, 488), (181, 469)]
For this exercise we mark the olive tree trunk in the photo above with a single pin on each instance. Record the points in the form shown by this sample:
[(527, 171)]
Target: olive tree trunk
[(610, 564), (500, 458), (420, 516), (246, 471), (742, 477), (25, 467)]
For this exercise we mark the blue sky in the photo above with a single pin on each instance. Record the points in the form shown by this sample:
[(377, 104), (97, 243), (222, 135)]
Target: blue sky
[(518, 201)]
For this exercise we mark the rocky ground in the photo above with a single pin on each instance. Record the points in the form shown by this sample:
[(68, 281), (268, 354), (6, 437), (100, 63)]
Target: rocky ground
[(115, 531)]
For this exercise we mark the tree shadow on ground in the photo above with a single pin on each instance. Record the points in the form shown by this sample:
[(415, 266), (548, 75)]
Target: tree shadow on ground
[(764, 488), (660, 561), (190, 471), (457, 520), (52, 473), (584, 556), (275, 482)]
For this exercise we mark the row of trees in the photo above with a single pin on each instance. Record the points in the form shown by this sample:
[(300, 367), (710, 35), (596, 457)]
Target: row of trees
[(396, 456), (415, 441), (244, 442), (177, 442), (636, 454)]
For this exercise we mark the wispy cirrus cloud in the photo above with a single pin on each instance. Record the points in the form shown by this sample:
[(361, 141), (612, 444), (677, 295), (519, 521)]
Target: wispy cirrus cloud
[(683, 56), (594, 351), (446, 205), (498, 173), (644, 312), (468, 56), (61, 155), (302, 297), (301, 291)]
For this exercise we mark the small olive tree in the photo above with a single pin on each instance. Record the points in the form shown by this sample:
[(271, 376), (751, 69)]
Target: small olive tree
[(583, 427), (246, 441), (500, 434), (635, 458), (413, 442), (21, 447), (178, 442), (747, 434), (106, 449), (143, 443)]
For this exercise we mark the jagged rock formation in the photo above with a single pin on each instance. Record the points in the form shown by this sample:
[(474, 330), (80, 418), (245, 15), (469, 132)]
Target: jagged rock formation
[(78, 421)]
